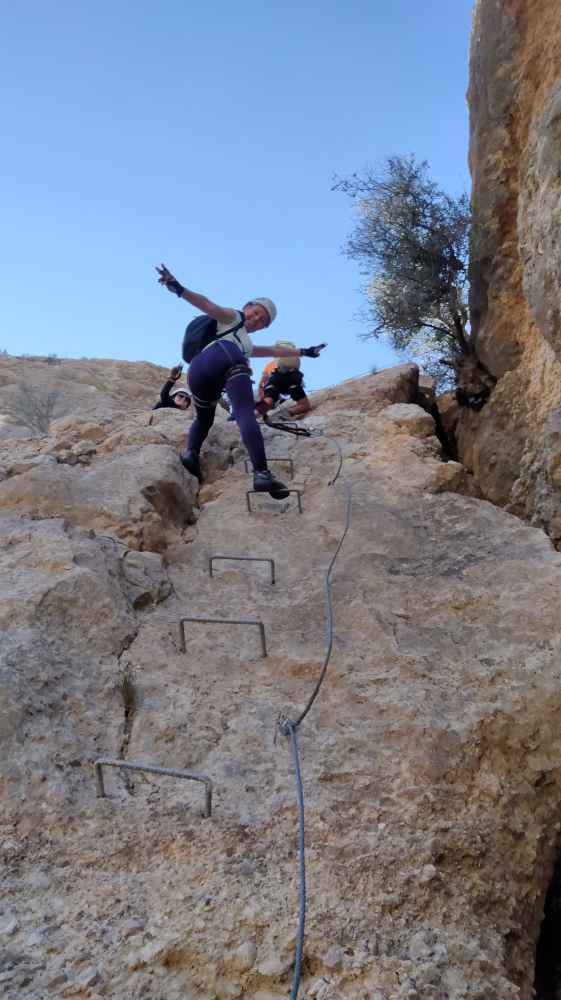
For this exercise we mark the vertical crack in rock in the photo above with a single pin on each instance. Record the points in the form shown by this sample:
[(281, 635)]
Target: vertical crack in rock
[(128, 692), (547, 983)]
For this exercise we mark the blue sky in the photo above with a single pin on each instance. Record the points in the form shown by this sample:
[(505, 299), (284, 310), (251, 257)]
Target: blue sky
[(207, 136)]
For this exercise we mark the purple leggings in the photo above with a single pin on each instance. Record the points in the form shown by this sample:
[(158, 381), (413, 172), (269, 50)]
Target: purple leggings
[(209, 375)]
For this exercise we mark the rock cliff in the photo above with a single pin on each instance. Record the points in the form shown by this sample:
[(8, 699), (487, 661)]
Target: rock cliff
[(431, 760), (514, 444)]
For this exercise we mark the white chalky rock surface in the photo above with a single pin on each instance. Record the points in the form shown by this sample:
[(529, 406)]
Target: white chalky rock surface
[(430, 760)]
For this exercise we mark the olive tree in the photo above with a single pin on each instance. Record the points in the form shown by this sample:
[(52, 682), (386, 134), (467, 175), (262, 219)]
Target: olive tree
[(411, 240)]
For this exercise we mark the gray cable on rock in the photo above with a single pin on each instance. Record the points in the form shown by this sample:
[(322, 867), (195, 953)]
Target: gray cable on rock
[(292, 731), (289, 727), (327, 591)]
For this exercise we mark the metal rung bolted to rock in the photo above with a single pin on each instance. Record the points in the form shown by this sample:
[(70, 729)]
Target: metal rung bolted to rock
[(171, 772), (222, 621), (250, 493), (271, 563)]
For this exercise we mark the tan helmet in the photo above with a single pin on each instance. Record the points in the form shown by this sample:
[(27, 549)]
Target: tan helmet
[(284, 364)]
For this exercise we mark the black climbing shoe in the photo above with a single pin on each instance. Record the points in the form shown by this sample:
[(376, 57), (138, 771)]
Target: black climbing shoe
[(265, 482), (190, 461)]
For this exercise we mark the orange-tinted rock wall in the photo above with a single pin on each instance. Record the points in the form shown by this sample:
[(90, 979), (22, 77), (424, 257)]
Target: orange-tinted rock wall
[(514, 444)]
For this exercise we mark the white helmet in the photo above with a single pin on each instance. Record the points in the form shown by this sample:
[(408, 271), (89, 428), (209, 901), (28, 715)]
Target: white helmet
[(268, 305)]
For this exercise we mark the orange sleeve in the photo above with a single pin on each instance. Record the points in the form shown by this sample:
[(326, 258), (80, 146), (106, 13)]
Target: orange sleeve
[(270, 367)]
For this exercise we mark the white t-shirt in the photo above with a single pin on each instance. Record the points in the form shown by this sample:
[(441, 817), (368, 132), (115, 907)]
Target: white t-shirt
[(241, 337)]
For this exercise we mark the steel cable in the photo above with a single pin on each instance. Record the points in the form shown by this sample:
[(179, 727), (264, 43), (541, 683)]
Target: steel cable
[(327, 588), (293, 733), (289, 727)]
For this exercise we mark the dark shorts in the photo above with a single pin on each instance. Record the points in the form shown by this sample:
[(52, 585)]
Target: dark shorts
[(285, 384), (209, 371)]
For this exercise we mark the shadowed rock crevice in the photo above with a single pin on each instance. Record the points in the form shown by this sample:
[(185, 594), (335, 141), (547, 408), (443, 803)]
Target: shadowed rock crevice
[(548, 953), (168, 500), (444, 435), (128, 694)]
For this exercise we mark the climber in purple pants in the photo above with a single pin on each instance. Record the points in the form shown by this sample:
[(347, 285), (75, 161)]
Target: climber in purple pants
[(217, 346), (224, 366)]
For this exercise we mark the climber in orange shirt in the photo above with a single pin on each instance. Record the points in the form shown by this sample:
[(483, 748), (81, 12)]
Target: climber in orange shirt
[(282, 377)]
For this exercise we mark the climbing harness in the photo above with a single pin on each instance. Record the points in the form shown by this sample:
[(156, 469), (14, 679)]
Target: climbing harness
[(205, 404), (241, 368)]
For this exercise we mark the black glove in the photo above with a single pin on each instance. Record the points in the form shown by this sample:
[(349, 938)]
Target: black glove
[(166, 278), (312, 352), (175, 372)]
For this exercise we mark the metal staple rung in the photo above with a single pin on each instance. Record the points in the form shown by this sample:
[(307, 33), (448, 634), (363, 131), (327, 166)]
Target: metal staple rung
[(173, 772), (222, 621), (249, 493), (288, 461), (271, 563)]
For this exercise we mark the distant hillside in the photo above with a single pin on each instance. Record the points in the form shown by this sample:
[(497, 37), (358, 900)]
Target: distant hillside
[(88, 388)]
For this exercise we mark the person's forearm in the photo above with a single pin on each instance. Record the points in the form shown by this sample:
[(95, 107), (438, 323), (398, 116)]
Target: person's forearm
[(220, 313), (166, 389), (259, 351), (200, 302)]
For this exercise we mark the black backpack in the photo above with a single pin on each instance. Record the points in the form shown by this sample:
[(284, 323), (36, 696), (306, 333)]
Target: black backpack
[(200, 332)]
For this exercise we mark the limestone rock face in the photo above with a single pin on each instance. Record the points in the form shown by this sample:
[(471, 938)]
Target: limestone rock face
[(394, 385), (430, 759), (110, 463), (515, 157), (410, 418)]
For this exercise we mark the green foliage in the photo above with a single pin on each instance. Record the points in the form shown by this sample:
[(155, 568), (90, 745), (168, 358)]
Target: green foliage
[(411, 241)]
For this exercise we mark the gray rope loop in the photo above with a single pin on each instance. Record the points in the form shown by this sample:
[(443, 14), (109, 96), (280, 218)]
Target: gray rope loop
[(287, 726)]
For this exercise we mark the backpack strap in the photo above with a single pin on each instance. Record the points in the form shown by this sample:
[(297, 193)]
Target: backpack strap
[(233, 329)]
